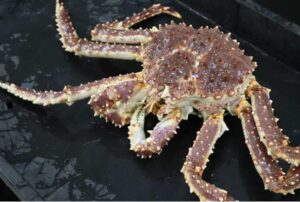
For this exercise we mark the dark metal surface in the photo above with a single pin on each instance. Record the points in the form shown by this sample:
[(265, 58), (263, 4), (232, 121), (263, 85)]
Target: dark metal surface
[(287, 9), (64, 153)]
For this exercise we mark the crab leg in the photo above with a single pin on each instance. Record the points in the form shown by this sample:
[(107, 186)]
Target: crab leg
[(159, 136), (83, 47), (68, 95), (116, 103), (197, 159), (121, 35), (275, 141), (152, 11), (118, 32), (272, 175)]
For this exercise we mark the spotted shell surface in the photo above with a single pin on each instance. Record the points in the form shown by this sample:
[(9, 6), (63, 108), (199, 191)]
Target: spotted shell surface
[(203, 61)]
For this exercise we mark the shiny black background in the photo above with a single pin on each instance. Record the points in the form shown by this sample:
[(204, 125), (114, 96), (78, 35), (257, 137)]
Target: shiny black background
[(64, 153)]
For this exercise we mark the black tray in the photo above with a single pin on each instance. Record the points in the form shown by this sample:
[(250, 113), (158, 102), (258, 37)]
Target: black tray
[(64, 153)]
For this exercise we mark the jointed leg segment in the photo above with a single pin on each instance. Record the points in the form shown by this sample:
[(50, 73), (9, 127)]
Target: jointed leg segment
[(118, 32), (68, 95), (197, 159), (272, 175), (270, 134), (82, 47), (152, 11), (121, 35)]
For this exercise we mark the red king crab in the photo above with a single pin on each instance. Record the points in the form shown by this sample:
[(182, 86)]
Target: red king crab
[(185, 70)]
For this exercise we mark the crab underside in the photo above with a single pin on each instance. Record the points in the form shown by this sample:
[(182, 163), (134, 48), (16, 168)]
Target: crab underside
[(185, 70)]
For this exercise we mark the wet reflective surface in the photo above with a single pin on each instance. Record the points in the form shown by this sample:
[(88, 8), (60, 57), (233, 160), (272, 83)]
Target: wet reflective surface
[(64, 153)]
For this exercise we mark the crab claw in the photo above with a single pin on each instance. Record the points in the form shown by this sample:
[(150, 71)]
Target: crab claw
[(117, 102), (159, 137)]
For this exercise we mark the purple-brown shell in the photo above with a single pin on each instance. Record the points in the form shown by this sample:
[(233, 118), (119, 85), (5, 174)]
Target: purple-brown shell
[(106, 102), (211, 61)]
